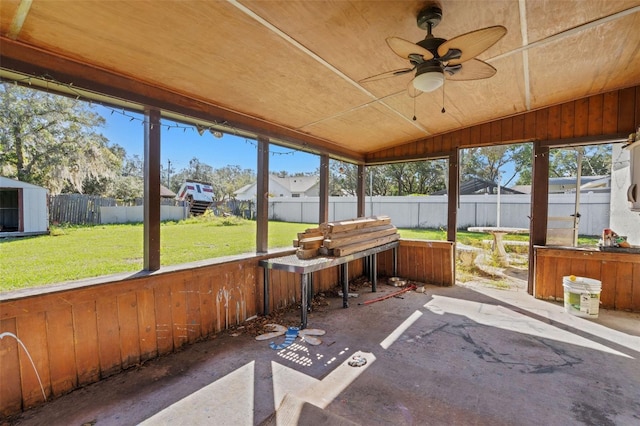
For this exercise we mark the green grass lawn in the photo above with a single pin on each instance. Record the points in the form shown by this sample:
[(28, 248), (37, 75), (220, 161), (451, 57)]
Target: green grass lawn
[(76, 252)]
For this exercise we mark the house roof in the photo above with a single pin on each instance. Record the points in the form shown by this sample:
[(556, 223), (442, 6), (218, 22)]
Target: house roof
[(476, 185), (296, 184), (291, 70)]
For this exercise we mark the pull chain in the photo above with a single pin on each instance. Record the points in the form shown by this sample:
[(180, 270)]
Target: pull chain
[(414, 108), (443, 84)]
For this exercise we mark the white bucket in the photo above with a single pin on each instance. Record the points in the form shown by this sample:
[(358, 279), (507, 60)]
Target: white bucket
[(581, 296)]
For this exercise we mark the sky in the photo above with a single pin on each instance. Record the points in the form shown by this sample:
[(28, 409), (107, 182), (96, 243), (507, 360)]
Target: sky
[(181, 142)]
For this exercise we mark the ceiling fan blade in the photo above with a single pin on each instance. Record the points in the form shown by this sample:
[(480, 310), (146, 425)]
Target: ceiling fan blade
[(473, 69), (404, 48), (386, 74), (472, 44)]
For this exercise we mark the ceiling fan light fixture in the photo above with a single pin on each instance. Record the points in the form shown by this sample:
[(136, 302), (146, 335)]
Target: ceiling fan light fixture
[(429, 80)]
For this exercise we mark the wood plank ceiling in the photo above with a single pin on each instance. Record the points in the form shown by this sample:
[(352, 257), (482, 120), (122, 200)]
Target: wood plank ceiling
[(295, 65)]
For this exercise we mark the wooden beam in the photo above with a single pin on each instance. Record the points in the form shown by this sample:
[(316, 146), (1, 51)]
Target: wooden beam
[(361, 191), (539, 205), (323, 214), (151, 189), (452, 200), (262, 197)]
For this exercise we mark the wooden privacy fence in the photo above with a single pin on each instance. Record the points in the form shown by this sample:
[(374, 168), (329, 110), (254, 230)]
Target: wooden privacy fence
[(77, 209), (82, 209)]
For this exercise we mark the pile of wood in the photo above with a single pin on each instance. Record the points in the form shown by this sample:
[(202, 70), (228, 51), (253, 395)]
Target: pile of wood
[(345, 237)]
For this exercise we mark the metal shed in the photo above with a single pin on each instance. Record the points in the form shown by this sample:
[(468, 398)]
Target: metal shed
[(24, 208)]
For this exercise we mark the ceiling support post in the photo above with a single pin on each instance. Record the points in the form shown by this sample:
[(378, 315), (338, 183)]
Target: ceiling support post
[(361, 191), (262, 197), (539, 206), (151, 189), (453, 194), (323, 214)]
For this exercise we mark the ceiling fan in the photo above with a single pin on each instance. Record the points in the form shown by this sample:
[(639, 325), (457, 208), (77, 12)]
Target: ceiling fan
[(434, 58)]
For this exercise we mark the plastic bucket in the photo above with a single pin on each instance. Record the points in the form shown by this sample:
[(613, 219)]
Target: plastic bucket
[(581, 296)]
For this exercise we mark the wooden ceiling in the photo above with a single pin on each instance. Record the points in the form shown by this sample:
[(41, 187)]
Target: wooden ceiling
[(290, 69)]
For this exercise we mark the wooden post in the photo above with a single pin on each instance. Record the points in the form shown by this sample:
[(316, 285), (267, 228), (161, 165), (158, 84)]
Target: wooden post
[(262, 197), (361, 190), (151, 189), (452, 200), (323, 214), (539, 205)]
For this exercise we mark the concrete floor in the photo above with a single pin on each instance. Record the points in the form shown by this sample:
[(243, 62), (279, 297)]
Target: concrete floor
[(466, 355)]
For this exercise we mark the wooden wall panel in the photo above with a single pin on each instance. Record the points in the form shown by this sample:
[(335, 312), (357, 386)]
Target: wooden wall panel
[(85, 328), (62, 357), (108, 336), (194, 328), (617, 272), (81, 334), (581, 118), (32, 331), (10, 391), (435, 257), (129, 329), (179, 312), (147, 324), (605, 116), (162, 303), (610, 113), (596, 105)]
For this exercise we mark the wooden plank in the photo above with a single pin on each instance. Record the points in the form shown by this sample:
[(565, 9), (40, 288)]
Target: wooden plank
[(192, 289), (518, 127), (62, 357), (626, 110), (581, 123), (507, 129), (129, 330), (207, 301), (567, 120), (311, 245), (447, 142), (85, 329), (32, 331), (307, 253), (624, 290), (474, 135), (542, 121), (10, 388), (610, 113), (635, 287), (496, 131), (347, 225), (108, 336), (348, 240), (179, 314), (485, 133), (147, 324), (554, 122), (609, 284), (164, 327), (530, 125), (596, 104), (353, 248)]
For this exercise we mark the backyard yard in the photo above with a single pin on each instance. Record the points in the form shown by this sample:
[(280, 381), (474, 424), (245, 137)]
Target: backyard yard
[(77, 252)]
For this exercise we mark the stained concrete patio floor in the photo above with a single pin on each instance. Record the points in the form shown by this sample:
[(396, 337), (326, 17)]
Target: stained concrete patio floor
[(463, 355)]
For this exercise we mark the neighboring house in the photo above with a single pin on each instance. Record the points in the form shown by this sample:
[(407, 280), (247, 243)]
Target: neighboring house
[(560, 185), (24, 208), (289, 186), (479, 186)]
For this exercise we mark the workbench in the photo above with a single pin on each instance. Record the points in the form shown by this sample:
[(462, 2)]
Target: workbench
[(306, 268)]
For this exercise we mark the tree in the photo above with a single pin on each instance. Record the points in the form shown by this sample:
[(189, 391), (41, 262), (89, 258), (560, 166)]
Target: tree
[(53, 141), (228, 179)]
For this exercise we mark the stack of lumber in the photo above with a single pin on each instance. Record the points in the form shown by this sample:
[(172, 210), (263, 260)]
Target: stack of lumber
[(346, 237)]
